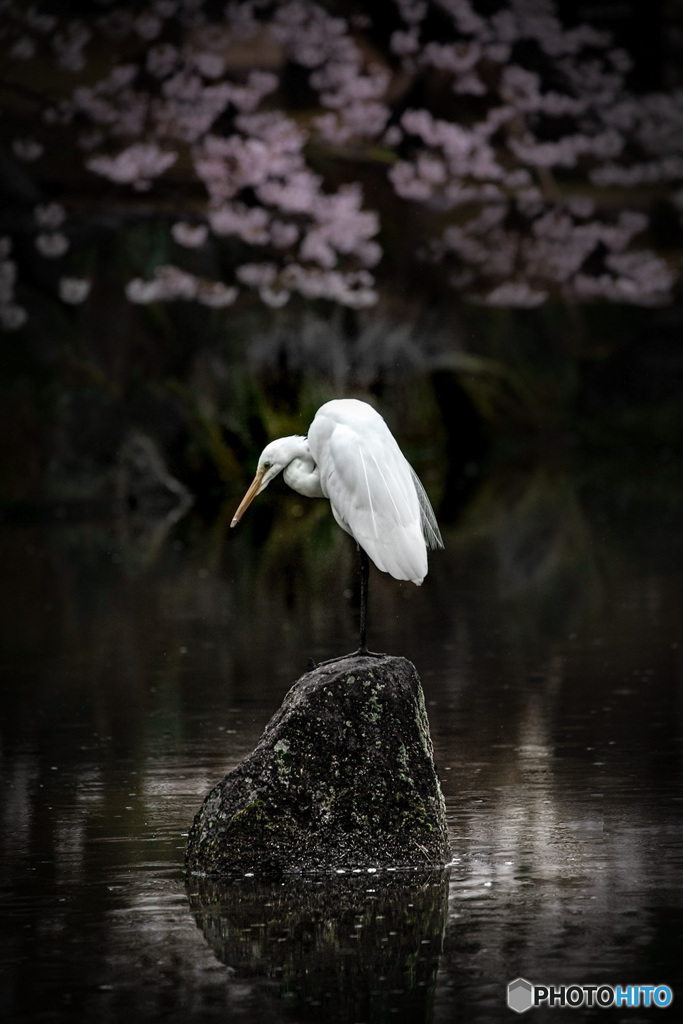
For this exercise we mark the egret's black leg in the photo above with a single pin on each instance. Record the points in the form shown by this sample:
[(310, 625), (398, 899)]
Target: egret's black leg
[(364, 588), (364, 579), (364, 591)]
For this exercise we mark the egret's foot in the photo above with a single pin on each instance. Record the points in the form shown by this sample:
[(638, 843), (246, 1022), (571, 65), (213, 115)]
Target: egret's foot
[(362, 652), (328, 661)]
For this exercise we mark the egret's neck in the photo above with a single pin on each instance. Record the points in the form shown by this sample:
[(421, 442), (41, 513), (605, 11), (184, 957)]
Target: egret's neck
[(301, 474)]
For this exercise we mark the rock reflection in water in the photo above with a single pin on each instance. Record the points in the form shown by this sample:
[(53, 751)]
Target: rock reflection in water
[(359, 946)]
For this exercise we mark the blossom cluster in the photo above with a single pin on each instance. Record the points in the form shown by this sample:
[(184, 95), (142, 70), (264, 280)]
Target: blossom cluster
[(51, 243), (351, 88), (496, 121), (554, 255), (500, 158), (12, 315), (171, 283)]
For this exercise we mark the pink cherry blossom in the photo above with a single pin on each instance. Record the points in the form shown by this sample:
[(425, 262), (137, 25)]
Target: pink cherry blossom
[(12, 316), (189, 235), (49, 215), (8, 277), (499, 165), (515, 293), (23, 49), (52, 245), (74, 290), (216, 294), (69, 44), (27, 149), (137, 165)]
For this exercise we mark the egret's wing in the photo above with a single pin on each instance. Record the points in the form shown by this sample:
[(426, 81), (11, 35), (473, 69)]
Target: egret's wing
[(372, 491)]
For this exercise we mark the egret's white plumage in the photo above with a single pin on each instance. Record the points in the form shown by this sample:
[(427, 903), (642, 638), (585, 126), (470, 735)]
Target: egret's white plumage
[(350, 457)]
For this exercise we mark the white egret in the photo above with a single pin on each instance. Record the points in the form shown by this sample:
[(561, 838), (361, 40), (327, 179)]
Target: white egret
[(351, 458)]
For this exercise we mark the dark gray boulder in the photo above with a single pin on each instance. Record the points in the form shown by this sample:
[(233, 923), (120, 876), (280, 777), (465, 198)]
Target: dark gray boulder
[(343, 777)]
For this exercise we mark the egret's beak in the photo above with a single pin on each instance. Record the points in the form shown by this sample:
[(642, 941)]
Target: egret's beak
[(246, 501)]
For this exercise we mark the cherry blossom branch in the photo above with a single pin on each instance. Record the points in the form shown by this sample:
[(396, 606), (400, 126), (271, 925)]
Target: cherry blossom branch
[(496, 132)]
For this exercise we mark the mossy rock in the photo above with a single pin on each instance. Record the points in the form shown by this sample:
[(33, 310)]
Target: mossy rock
[(342, 777)]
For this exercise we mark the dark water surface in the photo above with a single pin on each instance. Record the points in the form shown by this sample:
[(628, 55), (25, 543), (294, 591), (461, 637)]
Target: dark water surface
[(141, 662)]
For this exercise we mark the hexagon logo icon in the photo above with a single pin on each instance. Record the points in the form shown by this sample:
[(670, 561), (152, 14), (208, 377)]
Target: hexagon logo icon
[(520, 995)]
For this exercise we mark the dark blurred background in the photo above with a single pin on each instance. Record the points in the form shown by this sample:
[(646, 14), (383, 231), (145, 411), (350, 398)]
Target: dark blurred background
[(196, 391)]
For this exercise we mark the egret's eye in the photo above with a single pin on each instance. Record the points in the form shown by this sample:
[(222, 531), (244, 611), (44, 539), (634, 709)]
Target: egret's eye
[(267, 465)]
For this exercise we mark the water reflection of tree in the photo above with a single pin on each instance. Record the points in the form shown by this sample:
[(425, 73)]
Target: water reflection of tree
[(542, 546)]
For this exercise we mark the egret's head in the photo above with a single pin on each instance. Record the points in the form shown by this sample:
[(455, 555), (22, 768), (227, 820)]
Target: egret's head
[(273, 459)]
